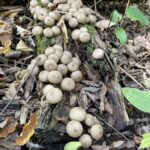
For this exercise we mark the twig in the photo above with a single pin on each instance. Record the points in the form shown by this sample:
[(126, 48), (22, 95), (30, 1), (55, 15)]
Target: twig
[(124, 12), (95, 3), (95, 6), (132, 78), (20, 86)]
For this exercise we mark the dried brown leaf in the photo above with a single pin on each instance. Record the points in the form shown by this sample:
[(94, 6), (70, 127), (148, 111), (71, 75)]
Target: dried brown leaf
[(9, 126)]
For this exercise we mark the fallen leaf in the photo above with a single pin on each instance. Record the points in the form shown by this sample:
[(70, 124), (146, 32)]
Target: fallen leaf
[(104, 24), (21, 31), (101, 147), (8, 126), (2, 75), (116, 144), (5, 37), (28, 131), (63, 27), (23, 47)]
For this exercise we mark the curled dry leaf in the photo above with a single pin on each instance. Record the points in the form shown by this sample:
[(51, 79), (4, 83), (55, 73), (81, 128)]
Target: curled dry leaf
[(28, 131), (5, 37), (63, 27), (2, 75), (7, 126), (104, 24)]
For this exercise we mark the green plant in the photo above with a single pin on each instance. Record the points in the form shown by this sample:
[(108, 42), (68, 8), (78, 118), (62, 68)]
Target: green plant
[(72, 146), (132, 13), (140, 100)]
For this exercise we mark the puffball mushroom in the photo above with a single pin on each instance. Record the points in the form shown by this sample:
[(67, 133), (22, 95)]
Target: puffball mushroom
[(77, 76), (77, 113), (85, 140), (55, 77), (75, 34), (54, 15), (34, 69), (73, 66), (96, 131), (50, 65), (74, 129), (47, 88), (37, 30), (43, 76), (84, 37), (92, 19), (49, 21), (82, 18), (73, 22), (54, 96), (62, 69), (56, 30), (77, 60), (42, 59), (66, 57), (42, 13), (49, 50), (68, 84), (33, 3), (59, 47), (66, 8), (54, 57), (98, 53), (45, 2), (83, 29), (67, 16), (48, 32), (90, 120)]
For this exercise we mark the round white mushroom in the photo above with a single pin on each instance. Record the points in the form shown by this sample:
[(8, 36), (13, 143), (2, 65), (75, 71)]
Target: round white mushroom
[(68, 84), (85, 140)]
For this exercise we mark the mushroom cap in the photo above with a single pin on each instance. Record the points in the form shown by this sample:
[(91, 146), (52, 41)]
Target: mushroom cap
[(37, 30), (76, 4), (92, 19), (55, 77), (66, 7), (68, 84), (42, 13), (54, 96), (62, 69), (58, 53), (33, 69), (58, 47), (96, 131), (77, 76), (84, 37), (73, 66), (50, 65), (45, 2), (83, 29), (88, 11), (43, 76), (74, 129), (82, 18), (49, 50), (54, 57), (56, 30), (66, 57), (47, 88), (42, 59), (67, 16), (77, 60), (33, 3), (73, 22), (49, 21), (60, 6), (90, 120), (85, 140), (77, 113), (54, 15), (48, 32), (98, 53), (75, 34)]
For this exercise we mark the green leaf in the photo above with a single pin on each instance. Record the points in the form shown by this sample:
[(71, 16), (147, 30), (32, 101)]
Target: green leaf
[(134, 14), (145, 143), (121, 35), (116, 16), (139, 99), (72, 146)]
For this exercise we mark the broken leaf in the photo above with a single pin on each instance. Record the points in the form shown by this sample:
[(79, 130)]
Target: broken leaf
[(7, 126), (28, 131), (72, 146), (23, 47)]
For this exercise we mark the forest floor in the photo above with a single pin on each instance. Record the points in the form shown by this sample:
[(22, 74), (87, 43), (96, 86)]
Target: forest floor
[(28, 121)]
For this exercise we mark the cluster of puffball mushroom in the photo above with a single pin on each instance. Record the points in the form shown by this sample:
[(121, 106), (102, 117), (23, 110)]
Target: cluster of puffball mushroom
[(74, 128), (58, 68), (49, 13)]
